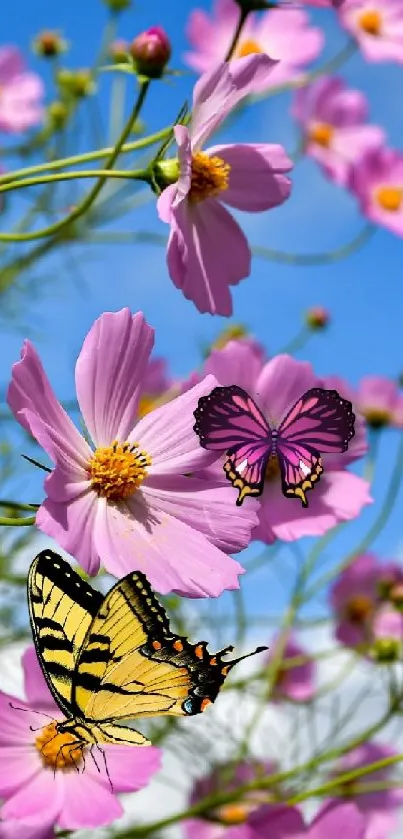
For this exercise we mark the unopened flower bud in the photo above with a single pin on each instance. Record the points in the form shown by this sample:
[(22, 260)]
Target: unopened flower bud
[(58, 114), (166, 172), (317, 317), (118, 5), (118, 50), (48, 44), (76, 83), (151, 52), (386, 650), (396, 596)]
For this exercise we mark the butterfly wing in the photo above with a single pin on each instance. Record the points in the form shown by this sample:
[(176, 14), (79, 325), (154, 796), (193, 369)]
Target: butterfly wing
[(228, 420), (320, 421), (61, 607), (132, 665)]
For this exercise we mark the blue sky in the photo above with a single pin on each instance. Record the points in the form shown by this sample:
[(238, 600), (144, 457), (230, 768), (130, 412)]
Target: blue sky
[(363, 294)]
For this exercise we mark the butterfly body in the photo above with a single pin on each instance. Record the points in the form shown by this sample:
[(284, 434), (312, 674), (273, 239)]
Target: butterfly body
[(113, 658), (228, 420)]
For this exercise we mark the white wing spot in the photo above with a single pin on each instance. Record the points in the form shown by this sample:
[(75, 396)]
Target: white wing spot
[(304, 468), (242, 466)]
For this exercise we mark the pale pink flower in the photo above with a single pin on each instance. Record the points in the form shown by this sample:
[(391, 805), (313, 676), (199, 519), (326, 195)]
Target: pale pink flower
[(21, 93), (378, 27), (377, 183), (379, 400), (356, 596), (379, 809), (333, 121), (127, 504), (37, 791), (207, 250), (238, 362), (277, 821), (283, 34), (298, 682)]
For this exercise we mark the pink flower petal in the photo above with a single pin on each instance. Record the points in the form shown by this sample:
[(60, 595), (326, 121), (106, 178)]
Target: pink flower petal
[(72, 526), (31, 397), (18, 766), (11, 64), (207, 507), (33, 829), (86, 802), (130, 767), (174, 556), (14, 725), (35, 687), (109, 373), (276, 821), (41, 797), (256, 179), (338, 819), (280, 384), (238, 362), (167, 434)]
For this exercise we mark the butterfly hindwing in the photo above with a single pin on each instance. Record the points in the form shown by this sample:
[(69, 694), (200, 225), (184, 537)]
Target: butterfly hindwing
[(62, 607), (320, 421), (229, 420)]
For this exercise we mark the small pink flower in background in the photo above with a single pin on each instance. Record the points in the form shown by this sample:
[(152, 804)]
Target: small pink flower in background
[(333, 121), (283, 34), (379, 809), (377, 183), (378, 27), (387, 632), (298, 682), (39, 793), (277, 821), (356, 596), (380, 401), (158, 386), (21, 93), (227, 777), (207, 250), (127, 503)]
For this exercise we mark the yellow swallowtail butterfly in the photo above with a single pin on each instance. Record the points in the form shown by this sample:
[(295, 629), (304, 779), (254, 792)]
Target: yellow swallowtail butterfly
[(107, 659)]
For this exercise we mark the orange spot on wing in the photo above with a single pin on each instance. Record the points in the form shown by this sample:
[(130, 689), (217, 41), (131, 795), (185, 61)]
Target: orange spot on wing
[(157, 645), (225, 671), (213, 660), (205, 703), (178, 645), (199, 651)]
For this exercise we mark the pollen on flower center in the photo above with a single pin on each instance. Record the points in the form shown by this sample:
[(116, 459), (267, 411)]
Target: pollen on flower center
[(390, 198), (209, 176), (58, 749), (359, 608), (116, 471), (371, 22), (235, 813), (248, 47), (377, 417), (322, 134), (272, 469)]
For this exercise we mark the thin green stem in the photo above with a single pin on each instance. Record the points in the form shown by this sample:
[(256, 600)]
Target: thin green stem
[(298, 341), (136, 174), (346, 778), (17, 522), (15, 505), (326, 258)]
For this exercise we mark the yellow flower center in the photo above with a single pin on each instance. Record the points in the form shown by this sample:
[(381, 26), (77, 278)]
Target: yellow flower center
[(146, 404), (390, 198), (322, 134), (248, 47), (272, 469), (116, 471), (231, 333), (235, 813), (58, 749), (209, 176), (359, 608), (371, 22), (377, 417)]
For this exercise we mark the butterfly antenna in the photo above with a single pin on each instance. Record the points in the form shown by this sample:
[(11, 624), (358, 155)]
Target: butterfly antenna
[(248, 655), (31, 711), (36, 463), (105, 764)]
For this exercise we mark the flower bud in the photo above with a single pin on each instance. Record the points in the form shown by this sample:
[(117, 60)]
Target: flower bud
[(118, 5), (317, 317), (76, 83), (385, 650), (48, 44), (151, 51), (166, 172), (118, 50), (58, 114)]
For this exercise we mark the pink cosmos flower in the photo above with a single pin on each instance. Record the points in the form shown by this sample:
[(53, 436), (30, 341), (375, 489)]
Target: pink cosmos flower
[(128, 503), (378, 27), (284, 34), (377, 183), (43, 788), (20, 93), (296, 683), (277, 821), (227, 777), (380, 401), (379, 809), (158, 386), (339, 496), (357, 594), (207, 250), (332, 119)]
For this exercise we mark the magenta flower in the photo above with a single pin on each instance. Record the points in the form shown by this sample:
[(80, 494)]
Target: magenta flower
[(357, 594), (339, 496), (378, 27), (377, 183), (42, 786), (20, 93), (227, 777), (277, 821), (127, 503), (333, 121), (298, 682), (283, 34), (207, 250), (380, 401), (379, 809)]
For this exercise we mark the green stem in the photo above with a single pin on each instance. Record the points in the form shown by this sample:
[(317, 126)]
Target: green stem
[(317, 258), (137, 174), (297, 342), (346, 778), (17, 522), (15, 505)]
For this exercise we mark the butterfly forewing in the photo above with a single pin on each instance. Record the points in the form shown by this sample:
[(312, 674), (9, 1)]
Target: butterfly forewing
[(62, 607)]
